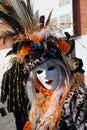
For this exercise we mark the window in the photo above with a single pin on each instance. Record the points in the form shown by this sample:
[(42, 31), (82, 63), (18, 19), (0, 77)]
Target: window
[(64, 2), (65, 21)]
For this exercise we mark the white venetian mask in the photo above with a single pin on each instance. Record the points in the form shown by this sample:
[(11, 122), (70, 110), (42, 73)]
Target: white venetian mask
[(49, 74)]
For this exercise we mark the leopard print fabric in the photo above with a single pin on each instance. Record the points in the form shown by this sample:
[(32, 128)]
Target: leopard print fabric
[(74, 114)]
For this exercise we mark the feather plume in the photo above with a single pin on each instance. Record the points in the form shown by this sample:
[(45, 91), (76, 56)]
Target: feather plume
[(17, 16), (48, 19)]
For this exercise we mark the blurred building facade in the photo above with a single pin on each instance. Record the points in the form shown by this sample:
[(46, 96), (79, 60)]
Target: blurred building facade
[(72, 18)]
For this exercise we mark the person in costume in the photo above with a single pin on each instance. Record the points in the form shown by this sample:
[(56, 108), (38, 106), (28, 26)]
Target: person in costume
[(42, 71), (55, 98), (13, 87), (78, 64), (78, 70)]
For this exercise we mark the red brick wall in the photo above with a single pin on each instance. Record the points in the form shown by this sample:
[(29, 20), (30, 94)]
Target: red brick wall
[(2, 45), (80, 16)]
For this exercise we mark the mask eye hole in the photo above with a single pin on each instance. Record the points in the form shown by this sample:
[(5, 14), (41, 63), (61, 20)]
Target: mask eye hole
[(51, 68), (39, 71)]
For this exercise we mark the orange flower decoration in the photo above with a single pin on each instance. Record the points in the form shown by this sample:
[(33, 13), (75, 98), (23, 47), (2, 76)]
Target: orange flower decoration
[(25, 50), (64, 46), (28, 126), (36, 38)]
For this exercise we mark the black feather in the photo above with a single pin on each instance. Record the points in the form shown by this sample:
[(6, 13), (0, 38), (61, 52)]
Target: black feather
[(11, 22), (72, 45), (10, 53), (67, 35)]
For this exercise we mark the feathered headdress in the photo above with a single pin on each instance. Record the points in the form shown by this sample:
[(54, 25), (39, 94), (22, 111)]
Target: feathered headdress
[(20, 28)]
